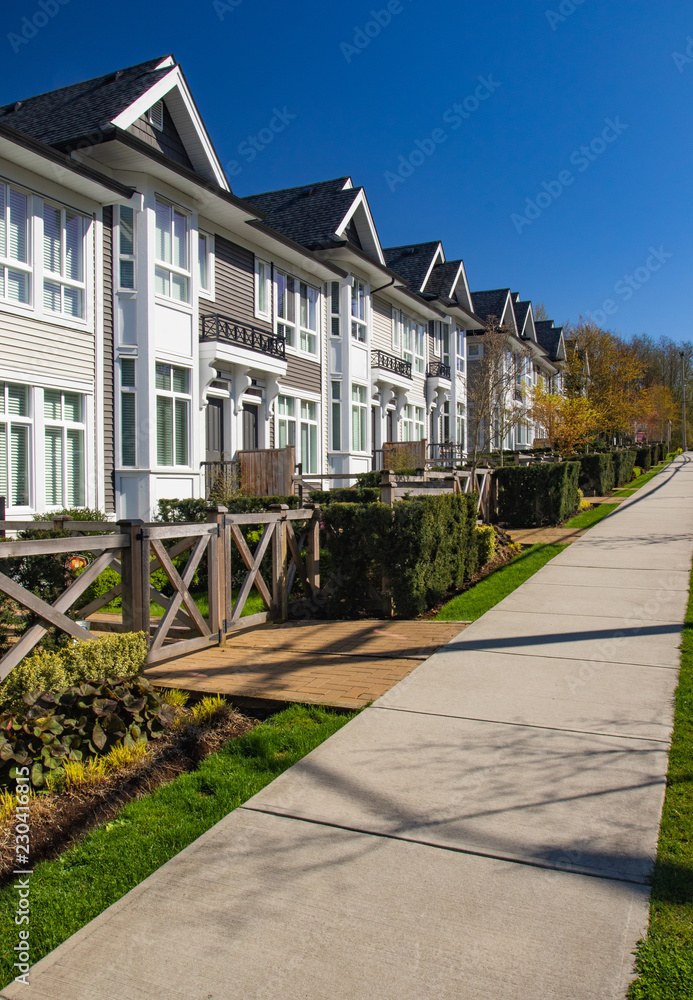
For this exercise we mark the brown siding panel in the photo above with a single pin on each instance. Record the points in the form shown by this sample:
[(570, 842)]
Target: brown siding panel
[(167, 142), (302, 375), (234, 285), (108, 389)]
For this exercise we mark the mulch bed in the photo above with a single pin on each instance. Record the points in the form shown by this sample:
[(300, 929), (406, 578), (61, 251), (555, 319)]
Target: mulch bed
[(60, 819)]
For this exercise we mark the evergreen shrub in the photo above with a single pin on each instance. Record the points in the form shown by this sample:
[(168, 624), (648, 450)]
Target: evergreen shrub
[(624, 463), (597, 476), (537, 495), (644, 458)]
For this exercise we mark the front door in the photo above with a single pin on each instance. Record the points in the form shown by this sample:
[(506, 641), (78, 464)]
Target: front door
[(251, 422), (215, 430)]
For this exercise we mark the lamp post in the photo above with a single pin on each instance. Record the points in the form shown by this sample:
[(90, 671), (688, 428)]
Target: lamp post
[(683, 397)]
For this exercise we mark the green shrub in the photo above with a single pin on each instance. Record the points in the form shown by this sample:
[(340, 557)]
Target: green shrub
[(324, 497), (486, 545), (644, 458), (369, 480), (423, 547), (597, 473), (537, 495), (624, 462), (195, 511), (111, 656), (77, 722)]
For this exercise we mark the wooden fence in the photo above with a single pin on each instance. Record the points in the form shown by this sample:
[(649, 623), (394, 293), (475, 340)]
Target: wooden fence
[(394, 488), (136, 550), (267, 473)]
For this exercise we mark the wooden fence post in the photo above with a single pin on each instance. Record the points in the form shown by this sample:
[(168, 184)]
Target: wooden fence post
[(280, 595), (313, 549), (387, 487), (59, 521), (216, 573), (135, 619)]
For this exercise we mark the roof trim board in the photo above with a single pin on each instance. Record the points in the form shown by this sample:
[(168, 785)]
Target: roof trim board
[(361, 202)]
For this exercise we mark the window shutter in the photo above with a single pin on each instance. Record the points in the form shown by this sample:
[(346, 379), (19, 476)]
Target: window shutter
[(181, 432), (163, 232), (127, 428), (54, 466), (164, 431), (17, 249), (19, 488), (75, 468), (51, 239)]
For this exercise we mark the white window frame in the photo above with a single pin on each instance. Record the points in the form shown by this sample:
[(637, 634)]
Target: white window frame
[(460, 344), (445, 351), (127, 389), (64, 426), (336, 415), (290, 424), (293, 329), (460, 424), (309, 425), (265, 282), (7, 263), (333, 293), (359, 414), (359, 324), (475, 351), (397, 319), (413, 423), (206, 291), (176, 396), (7, 420), (124, 257), (168, 268), (61, 278), (414, 344)]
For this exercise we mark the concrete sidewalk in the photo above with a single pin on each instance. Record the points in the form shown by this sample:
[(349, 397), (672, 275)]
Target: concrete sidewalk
[(484, 832)]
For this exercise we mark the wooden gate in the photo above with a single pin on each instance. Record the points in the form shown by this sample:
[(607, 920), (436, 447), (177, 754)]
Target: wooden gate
[(267, 473)]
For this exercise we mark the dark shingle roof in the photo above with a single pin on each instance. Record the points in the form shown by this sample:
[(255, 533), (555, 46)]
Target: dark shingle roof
[(412, 262), (490, 303), (442, 279), (549, 337), (521, 310), (309, 214), (64, 115)]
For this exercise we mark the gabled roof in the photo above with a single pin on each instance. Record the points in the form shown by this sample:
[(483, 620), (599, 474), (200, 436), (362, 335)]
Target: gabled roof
[(414, 262), (550, 337), (67, 114), (491, 303), (522, 318), (443, 279), (310, 214)]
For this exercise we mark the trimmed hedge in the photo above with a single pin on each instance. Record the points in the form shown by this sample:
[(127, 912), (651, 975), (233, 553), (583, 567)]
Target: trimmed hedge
[(188, 511), (624, 463), (537, 495), (424, 548), (597, 473), (347, 495), (643, 458)]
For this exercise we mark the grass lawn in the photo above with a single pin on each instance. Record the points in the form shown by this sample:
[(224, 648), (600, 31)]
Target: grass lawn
[(591, 517), (665, 957), (488, 592), (253, 606), (631, 488), (82, 882)]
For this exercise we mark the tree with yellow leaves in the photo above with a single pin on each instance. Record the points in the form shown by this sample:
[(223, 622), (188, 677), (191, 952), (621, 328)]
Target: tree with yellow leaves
[(569, 422)]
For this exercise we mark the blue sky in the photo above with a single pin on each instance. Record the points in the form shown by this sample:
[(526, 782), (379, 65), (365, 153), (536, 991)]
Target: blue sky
[(503, 182)]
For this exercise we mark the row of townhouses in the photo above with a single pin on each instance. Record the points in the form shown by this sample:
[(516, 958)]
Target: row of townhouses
[(151, 321)]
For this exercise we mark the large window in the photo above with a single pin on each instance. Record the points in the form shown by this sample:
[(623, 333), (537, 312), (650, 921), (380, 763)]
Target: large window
[(309, 437), (445, 344), (172, 415), (172, 256), (128, 411), (286, 423), (286, 307), (413, 343), (126, 248), (358, 311), (63, 261), (297, 313), (304, 413), (359, 418), (15, 432), (15, 269), (461, 339), (309, 318), (64, 448), (459, 424), (413, 423)]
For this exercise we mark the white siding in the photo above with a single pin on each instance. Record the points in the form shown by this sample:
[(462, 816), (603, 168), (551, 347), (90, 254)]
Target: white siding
[(44, 354)]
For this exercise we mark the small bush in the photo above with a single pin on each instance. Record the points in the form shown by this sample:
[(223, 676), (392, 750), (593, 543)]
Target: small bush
[(195, 511), (537, 495), (208, 708), (112, 656), (597, 475), (486, 544), (174, 697), (324, 497)]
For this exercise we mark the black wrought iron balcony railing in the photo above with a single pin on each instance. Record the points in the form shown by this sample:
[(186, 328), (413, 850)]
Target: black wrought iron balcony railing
[(229, 331), (437, 369), (380, 359)]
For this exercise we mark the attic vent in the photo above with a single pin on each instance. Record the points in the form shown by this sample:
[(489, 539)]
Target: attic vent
[(409, 252), (307, 192), (156, 115)]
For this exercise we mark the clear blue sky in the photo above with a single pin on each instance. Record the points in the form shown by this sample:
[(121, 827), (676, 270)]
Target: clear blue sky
[(556, 78)]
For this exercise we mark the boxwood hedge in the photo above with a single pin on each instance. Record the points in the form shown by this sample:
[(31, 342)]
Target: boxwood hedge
[(537, 495)]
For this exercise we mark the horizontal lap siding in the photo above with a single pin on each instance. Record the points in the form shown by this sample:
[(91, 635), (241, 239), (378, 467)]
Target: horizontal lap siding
[(108, 390), (59, 357), (302, 375), (167, 142), (382, 326), (234, 285)]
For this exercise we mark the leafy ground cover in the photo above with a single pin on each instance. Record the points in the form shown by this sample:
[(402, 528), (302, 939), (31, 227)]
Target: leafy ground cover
[(71, 890), (665, 958), (476, 601), (591, 517)]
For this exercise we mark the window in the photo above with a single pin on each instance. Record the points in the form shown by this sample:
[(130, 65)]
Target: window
[(63, 261), (445, 423), (358, 311), (286, 308), (172, 281), (461, 337), (126, 248), (172, 415), (63, 414), (413, 341), (397, 318), (459, 424), (359, 418), (156, 116), (309, 318), (333, 307), (263, 289), (309, 437), (413, 423), (15, 430), (445, 344), (286, 410), (205, 264), (336, 416), (15, 270), (475, 351), (128, 415), (297, 305)]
